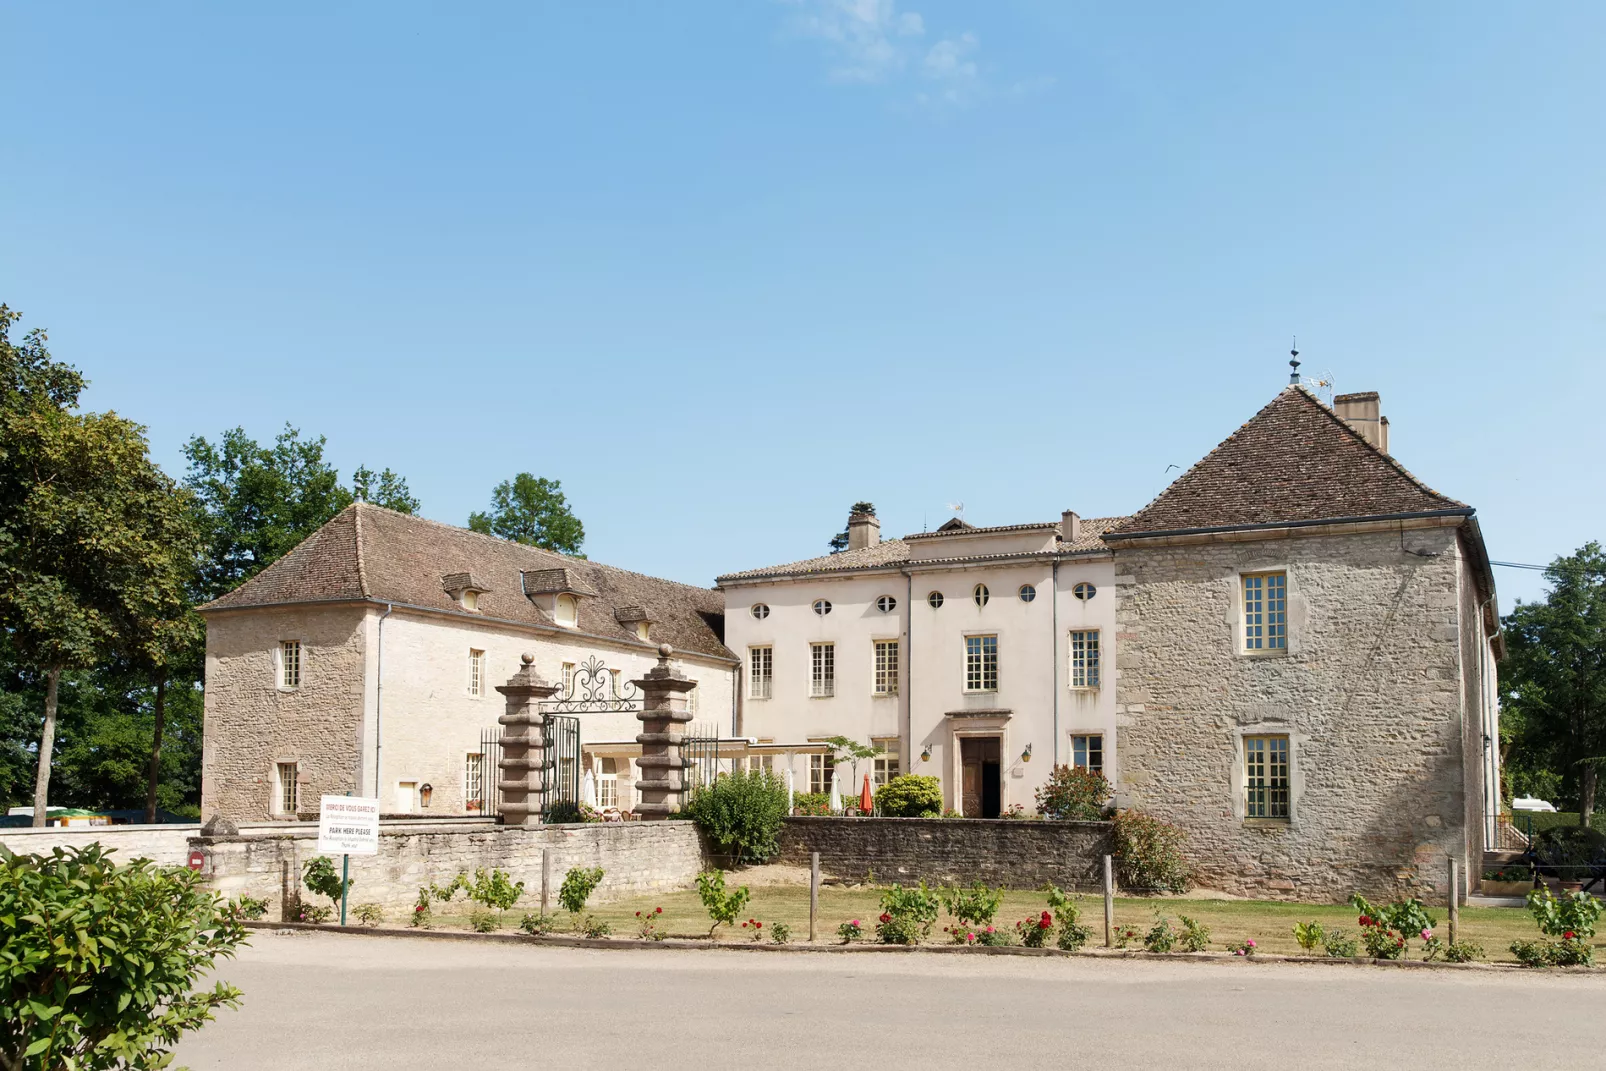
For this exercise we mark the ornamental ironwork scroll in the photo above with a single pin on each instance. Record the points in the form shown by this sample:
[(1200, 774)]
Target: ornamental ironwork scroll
[(593, 688)]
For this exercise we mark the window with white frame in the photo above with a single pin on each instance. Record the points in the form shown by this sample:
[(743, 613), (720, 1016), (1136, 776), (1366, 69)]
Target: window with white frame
[(1084, 591), (289, 665), (476, 672), (1087, 751), (760, 671), (759, 611), (980, 594), (822, 606), (692, 703), (1027, 593), (473, 779), (934, 600), (607, 783), (886, 667), (886, 759), (568, 681), (286, 793), (1265, 611), (981, 663), (821, 770), (822, 670), (886, 604), (1265, 777), (761, 763), (1084, 658), (616, 679)]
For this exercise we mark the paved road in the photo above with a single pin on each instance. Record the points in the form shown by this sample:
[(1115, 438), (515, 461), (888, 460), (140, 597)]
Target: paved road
[(330, 1003)]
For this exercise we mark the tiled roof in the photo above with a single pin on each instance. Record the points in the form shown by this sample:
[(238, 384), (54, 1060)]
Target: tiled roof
[(951, 528), (1294, 462), (378, 555), (894, 552)]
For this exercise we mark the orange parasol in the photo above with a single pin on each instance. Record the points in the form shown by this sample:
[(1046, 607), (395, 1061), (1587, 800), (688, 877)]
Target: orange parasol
[(867, 798)]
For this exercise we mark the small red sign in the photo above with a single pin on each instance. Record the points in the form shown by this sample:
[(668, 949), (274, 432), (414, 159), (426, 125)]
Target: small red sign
[(197, 860)]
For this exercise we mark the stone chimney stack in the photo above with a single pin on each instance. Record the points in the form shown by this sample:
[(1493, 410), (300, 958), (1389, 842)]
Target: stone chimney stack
[(1363, 412), (1070, 526), (864, 530)]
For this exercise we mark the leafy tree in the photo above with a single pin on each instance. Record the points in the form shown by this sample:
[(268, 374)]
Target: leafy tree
[(1554, 676), (383, 489), (742, 813), (529, 510)]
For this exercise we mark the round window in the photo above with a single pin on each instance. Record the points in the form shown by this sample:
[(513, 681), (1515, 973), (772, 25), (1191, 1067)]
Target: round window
[(822, 607), (934, 599), (886, 604), (1084, 591), (1027, 593), (760, 611), (981, 594)]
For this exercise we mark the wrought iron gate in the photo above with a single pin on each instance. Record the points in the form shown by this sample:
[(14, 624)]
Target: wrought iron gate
[(701, 749), (562, 764)]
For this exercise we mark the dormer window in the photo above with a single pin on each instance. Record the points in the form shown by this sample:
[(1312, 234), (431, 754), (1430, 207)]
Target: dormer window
[(470, 599), (557, 592), (464, 589), (567, 612)]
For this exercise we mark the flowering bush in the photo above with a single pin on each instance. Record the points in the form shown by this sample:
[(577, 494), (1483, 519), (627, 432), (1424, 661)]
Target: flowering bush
[(1569, 920), (1125, 935), (314, 914), (811, 804), (907, 914), (647, 925), (1309, 934), (595, 928), (1072, 934), (536, 924), (977, 905), (1149, 853), (1242, 948), (1384, 929), (1034, 933), (850, 931), (996, 936), (910, 796), (1073, 794), (1194, 936), (1161, 936), (421, 913), (370, 914), (754, 928), (247, 907)]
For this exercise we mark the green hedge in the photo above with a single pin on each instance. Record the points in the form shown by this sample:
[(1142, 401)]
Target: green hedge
[(1543, 820)]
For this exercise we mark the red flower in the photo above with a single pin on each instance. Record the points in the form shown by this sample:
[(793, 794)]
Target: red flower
[(885, 917), (657, 911), (1568, 935), (758, 925), (638, 914)]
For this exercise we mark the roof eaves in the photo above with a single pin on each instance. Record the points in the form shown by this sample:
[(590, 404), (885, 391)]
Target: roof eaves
[(1459, 511)]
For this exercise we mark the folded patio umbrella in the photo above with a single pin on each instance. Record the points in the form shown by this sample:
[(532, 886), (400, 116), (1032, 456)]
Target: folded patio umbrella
[(866, 798)]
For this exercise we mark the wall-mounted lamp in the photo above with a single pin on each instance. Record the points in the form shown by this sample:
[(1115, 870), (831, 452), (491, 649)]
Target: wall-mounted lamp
[(925, 754), (1026, 756)]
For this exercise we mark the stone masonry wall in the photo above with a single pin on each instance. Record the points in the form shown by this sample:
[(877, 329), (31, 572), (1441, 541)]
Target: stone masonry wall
[(167, 845), (942, 851), (251, 724), (1368, 692), (636, 857)]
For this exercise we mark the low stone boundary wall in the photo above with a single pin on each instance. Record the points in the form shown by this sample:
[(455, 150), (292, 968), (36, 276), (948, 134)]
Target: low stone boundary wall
[(636, 857), (165, 844), (1015, 853)]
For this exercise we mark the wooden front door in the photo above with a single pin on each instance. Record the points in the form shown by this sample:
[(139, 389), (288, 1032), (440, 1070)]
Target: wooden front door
[(981, 784)]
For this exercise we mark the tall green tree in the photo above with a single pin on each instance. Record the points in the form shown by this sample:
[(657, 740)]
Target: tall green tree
[(533, 511), (259, 501), (1554, 676), (94, 539)]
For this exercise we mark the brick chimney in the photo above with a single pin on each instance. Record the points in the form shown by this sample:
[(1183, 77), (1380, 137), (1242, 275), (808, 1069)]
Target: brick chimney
[(1362, 411), (1070, 526), (863, 530)]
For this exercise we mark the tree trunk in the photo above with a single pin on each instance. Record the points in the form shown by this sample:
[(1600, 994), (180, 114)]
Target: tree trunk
[(47, 742), (1586, 794), (155, 774)]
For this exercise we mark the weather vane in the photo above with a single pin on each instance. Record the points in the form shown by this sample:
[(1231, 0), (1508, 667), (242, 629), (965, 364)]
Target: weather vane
[(1293, 377)]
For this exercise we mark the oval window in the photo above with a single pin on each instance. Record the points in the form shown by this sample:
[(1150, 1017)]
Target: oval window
[(822, 607), (934, 599), (981, 594), (1027, 593), (760, 611), (886, 604), (1084, 591)]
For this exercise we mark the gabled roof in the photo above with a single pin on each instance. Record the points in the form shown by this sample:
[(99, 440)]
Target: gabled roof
[(1293, 463), (366, 553)]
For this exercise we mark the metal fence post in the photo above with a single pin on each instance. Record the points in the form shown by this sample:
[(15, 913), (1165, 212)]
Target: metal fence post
[(814, 892), (1455, 897), (1109, 904), (546, 880)]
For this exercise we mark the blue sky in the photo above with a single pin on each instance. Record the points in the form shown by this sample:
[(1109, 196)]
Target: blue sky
[(724, 268)]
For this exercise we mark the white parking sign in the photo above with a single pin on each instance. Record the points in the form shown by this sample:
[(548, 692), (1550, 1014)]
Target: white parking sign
[(348, 825)]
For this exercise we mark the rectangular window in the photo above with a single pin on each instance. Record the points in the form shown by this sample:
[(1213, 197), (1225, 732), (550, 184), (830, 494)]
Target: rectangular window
[(886, 760), (1266, 777), (289, 794), (476, 672), (691, 700), (1085, 658), (1266, 612), (615, 681), (886, 667), (766, 763), (981, 663), (568, 681), (290, 664), (822, 678), (820, 771), (473, 780), (1087, 752), (607, 783), (760, 671)]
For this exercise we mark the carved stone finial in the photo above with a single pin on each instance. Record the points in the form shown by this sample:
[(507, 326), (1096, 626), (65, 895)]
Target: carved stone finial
[(527, 658), (664, 651)]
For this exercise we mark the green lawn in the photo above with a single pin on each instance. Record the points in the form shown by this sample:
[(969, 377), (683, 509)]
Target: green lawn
[(1269, 923)]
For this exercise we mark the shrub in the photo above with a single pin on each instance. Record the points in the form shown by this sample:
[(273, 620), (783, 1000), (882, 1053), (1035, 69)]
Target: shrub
[(1569, 920), (977, 905), (907, 914), (1534, 953), (850, 931), (1340, 945), (569, 812), (536, 924), (995, 936), (1148, 853), (314, 914), (647, 925), (1161, 936), (1451, 951), (755, 929), (1072, 934), (370, 914), (247, 907), (99, 961), (1571, 853), (1309, 934), (910, 796), (1073, 794), (319, 876), (1242, 948), (578, 885), (421, 912), (1386, 931), (1194, 936), (595, 928), (811, 804), (723, 907), (482, 921), (491, 889), (1125, 935), (1035, 932), (741, 813), (780, 933)]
